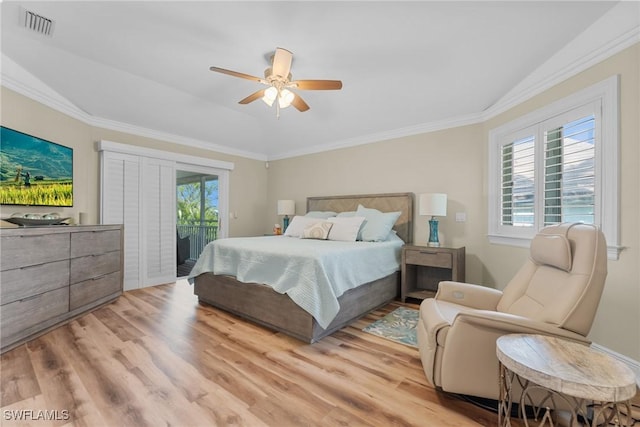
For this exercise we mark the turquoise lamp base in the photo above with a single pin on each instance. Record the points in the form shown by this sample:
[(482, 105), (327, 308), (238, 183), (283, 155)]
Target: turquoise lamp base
[(433, 233), (285, 223)]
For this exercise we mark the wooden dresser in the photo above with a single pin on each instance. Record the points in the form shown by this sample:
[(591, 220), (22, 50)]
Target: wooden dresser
[(49, 275)]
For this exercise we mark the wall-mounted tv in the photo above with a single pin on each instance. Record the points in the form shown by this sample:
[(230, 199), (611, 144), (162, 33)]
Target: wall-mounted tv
[(33, 171)]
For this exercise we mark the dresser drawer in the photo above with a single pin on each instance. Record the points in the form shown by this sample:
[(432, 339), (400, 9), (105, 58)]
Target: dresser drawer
[(24, 282), (89, 267), (94, 242), (17, 317), (428, 258), (86, 292), (21, 251)]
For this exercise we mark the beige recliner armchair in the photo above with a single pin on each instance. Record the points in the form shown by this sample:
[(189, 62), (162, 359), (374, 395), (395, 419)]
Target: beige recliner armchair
[(556, 293)]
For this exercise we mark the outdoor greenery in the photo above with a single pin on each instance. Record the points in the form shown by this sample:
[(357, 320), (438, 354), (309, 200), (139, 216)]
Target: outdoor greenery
[(188, 203)]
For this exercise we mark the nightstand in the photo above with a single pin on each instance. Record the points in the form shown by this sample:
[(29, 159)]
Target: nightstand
[(423, 267)]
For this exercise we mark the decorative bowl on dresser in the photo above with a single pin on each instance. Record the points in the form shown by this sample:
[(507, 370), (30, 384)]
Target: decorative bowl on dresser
[(50, 275)]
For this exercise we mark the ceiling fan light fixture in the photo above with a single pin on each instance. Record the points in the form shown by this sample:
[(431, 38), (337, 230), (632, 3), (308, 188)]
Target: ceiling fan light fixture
[(270, 95), (278, 79), (285, 98)]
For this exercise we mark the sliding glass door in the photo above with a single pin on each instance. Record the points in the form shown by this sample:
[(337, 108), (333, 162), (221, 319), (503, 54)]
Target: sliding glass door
[(197, 216)]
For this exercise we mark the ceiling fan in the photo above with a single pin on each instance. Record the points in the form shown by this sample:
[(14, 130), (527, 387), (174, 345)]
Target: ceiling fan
[(278, 78)]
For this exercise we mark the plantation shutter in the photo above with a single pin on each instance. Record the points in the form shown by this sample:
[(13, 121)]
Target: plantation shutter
[(569, 173), (518, 182), (120, 195), (139, 192), (158, 199)]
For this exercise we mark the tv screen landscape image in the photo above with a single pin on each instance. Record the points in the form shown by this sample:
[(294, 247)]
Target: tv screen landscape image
[(33, 171)]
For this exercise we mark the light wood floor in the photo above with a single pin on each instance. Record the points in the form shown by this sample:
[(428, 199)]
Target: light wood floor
[(156, 357)]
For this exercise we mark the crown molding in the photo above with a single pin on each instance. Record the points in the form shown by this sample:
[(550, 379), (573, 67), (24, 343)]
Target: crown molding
[(454, 122), (176, 139), (35, 89), (18, 79), (593, 46)]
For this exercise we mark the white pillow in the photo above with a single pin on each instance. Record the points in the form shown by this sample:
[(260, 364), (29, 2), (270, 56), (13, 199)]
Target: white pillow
[(378, 224), (298, 224), (345, 229), (320, 214), (318, 231)]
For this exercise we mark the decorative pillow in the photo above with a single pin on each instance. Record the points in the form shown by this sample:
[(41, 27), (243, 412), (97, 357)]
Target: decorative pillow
[(551, 249), (346, 214), (377, 225), (298, 224), (320, 214), (345, 229), (317, 231), (393, 237)]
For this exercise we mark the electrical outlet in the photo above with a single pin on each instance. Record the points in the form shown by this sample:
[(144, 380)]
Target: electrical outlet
[(461, 217)]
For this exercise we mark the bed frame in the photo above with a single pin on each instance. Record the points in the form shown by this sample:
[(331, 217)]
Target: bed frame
[(261, 304)]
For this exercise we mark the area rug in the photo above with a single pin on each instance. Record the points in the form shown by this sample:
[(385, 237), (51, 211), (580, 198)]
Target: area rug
[(398, 326)]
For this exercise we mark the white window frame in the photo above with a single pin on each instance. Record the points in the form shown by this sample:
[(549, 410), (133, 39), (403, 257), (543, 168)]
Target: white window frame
[(604, 95)]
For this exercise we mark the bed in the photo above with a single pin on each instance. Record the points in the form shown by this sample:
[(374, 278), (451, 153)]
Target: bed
[(260, 303)]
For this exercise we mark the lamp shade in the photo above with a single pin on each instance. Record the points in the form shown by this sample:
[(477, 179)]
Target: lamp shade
[(433, 204), (270, 95), (286, 207)]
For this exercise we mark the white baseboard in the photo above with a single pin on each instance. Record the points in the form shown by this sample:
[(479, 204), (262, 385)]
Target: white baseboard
[(633, 364)]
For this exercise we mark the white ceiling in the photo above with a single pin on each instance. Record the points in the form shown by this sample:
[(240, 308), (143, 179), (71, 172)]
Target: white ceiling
[(404, 65)]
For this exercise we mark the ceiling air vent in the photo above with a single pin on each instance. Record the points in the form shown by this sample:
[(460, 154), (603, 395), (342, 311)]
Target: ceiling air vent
[(38, 23)]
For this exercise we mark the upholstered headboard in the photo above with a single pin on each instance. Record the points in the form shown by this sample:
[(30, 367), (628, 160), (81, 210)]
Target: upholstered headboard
[(391, 202)]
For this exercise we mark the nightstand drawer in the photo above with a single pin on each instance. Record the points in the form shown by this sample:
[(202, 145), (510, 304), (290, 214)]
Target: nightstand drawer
[(429, 258)]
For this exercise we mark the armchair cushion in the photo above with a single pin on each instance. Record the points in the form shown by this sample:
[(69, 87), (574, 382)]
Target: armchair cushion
[(551, 249), (469, 295)]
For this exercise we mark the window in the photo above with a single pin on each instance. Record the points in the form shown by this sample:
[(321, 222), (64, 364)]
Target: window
[(557, 164)]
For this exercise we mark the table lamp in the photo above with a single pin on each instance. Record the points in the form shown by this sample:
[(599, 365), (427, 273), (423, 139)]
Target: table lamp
[(433, 204), (286, 208)]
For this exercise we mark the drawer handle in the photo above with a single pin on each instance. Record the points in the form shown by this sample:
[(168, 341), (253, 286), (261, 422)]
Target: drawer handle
[(27, 267), (430, 252), (30, 298)]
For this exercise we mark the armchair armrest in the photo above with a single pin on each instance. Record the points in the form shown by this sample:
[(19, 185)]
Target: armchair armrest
[(505, 323), (469, 295)]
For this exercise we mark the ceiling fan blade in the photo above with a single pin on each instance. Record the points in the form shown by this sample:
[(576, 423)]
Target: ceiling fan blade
[(236, 74), (282, 62), (299, 103), (317, 84), (256, 95)]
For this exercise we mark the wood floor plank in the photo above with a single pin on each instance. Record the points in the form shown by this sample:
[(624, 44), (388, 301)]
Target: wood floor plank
[(61, 386), (157, 357), (17, 378), (124, 330), (112, 387)]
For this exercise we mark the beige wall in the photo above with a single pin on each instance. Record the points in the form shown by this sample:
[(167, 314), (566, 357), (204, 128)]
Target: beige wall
[(444, 162), (247, 182), (454, 161)]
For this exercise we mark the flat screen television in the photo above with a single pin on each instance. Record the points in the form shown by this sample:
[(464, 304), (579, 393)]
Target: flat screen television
[(34, 171)]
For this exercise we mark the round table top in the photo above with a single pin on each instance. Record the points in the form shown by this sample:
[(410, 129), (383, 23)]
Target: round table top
[(567, 367)]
